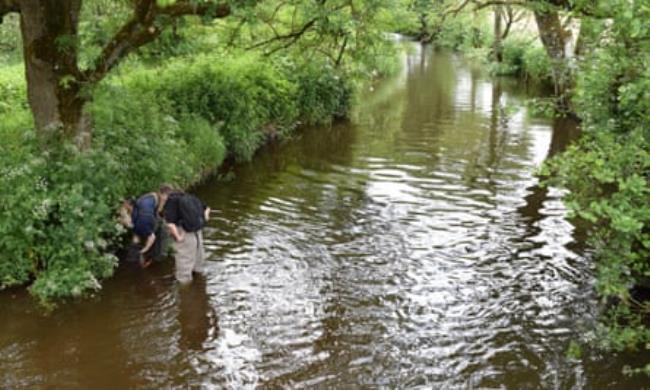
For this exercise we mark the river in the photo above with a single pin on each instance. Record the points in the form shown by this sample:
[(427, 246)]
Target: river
[(411, 248)]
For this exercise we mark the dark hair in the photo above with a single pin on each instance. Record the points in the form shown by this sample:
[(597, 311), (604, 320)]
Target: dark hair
[(166, 189)]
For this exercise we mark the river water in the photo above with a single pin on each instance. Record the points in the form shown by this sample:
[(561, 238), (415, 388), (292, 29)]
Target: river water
[(411, 249)]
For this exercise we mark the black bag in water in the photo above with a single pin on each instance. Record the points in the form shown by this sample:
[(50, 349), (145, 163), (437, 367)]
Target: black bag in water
[(191, 211)]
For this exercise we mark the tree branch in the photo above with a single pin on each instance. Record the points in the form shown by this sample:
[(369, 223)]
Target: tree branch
[(456, 11), (483, 4), (479, 5), (292, 36), (509, 18), (341, 51), (142, 29)]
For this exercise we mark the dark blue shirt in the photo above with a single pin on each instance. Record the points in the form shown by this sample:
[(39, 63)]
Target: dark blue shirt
[(144, 215)]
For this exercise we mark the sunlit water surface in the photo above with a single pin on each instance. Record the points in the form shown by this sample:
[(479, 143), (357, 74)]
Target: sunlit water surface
[(411, 249)]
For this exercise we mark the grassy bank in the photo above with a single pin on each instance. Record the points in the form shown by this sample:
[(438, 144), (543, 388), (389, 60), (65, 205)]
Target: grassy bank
[(172, 123)]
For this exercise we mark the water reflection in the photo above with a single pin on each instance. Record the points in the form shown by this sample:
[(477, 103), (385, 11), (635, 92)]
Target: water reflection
[(415, 248), (196, 316)]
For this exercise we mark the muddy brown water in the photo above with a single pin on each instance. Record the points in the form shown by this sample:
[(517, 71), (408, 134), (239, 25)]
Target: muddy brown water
[(411, 249)]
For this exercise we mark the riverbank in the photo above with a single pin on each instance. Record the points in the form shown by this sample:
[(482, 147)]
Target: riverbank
[(354, 256), (521, 53), (174, 123)]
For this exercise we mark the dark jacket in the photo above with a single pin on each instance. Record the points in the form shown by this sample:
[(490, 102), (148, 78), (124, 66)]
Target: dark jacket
[(145, 215)]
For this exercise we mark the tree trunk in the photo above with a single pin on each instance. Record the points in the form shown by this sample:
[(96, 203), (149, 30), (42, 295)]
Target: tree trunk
[(556, 40), (49, 31), (581, 40), (497, 48), (424, 35)]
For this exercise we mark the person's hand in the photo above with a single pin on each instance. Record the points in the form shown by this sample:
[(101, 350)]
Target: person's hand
[(176, 235), (144, 263), (148, 244)]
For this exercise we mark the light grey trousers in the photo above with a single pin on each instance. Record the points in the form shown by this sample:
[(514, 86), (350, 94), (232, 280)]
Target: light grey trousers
[(189, 255)]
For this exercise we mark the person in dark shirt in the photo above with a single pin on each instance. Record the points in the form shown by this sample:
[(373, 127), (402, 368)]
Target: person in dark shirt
[(185, 216), (147, 226)]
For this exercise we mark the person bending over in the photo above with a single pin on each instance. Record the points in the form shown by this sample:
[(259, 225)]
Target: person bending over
[(185, 215), (147, 226)]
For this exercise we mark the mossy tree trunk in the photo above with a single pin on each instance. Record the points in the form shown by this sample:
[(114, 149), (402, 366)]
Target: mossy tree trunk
[(57, 89), (54, 83), (556, 41)]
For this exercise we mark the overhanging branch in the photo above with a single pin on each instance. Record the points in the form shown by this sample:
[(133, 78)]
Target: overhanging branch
[(142, 29), (533, 5), (291, 37), (480, 4)]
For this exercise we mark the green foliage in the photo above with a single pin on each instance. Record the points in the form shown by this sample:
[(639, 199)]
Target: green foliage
[(99, 22), (10, 43), (513, 51), (471, 31), (174, 119), (574, 351), (154, 147), (536, 63), (73, 223), (21, 177), (322, 94), (463, 32), (607, 171), (347, 36), (55, 214), (524, 58), (246, 99), (542, 107), (244, 95), (433, 21), (402, 17), (13, 92), (174, 123)]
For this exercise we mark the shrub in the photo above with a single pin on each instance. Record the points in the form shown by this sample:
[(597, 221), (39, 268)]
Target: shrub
[(537, 64), (13, 92), (524, 58), (607, 173), (173, 123), (321, 95), (56, 217), (461, 33), (240, 96)]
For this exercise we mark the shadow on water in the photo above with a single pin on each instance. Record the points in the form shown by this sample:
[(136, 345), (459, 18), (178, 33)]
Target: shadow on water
[(413, 248), (196, 316)]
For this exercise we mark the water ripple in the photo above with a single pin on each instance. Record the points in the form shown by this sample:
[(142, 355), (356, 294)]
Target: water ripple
[(413, 250)]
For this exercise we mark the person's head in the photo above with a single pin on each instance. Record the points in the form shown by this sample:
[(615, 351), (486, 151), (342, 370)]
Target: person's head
[(164, 191), (128, 203), (125, 212)]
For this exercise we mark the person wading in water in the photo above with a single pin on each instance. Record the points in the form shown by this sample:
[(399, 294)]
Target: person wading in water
[(147, 226), (185, 216)]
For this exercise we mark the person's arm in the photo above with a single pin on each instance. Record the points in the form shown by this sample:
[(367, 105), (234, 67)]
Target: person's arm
[(173, 230), (147, 245)]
